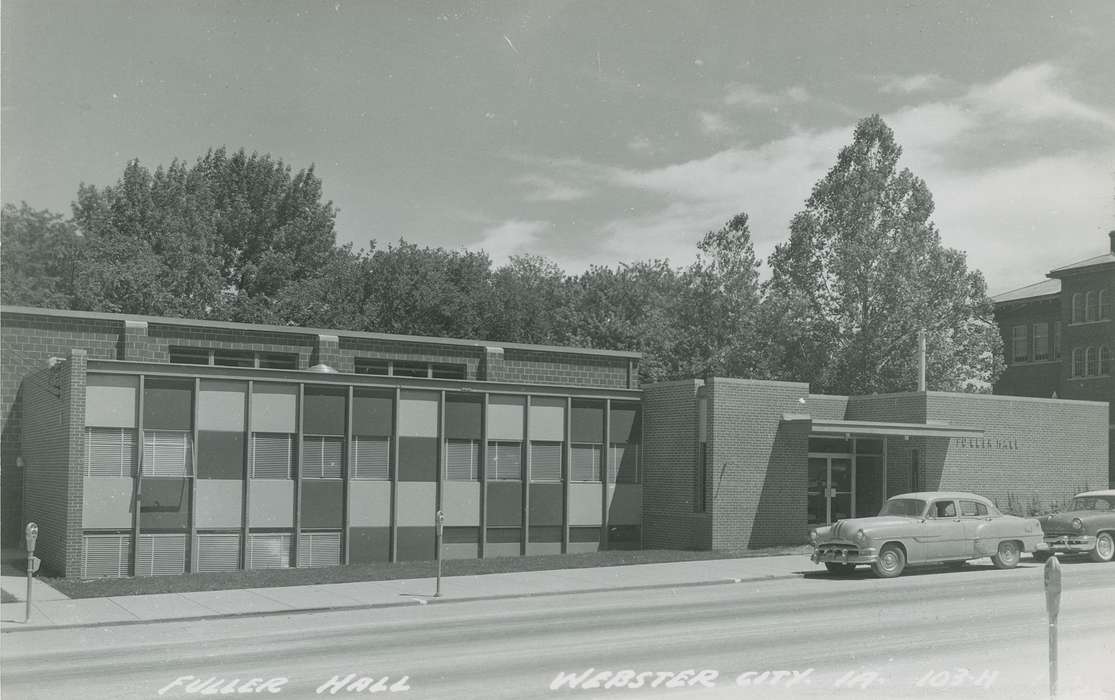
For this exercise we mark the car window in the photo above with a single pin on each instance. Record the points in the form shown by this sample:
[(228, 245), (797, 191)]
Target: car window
[(911, 507), (943, 509), (972, 509)]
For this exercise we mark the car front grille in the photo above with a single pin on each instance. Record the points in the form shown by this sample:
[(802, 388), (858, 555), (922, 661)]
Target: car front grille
[(844, 551)]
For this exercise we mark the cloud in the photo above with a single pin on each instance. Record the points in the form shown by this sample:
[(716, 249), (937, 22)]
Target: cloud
[(911, 83), (640, 144), (546, 189), (1049, 203), (713, 124), (513, 237), (756, 97)]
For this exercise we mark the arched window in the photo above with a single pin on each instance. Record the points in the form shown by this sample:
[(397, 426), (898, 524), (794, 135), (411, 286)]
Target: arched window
[(1105, 360), (1090, 362), (1090, 306), (1104, 305), (1077, 362), (1077, 308)]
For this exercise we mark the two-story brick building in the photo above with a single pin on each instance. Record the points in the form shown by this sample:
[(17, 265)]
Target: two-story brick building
[(1059, 336), (144, 445)]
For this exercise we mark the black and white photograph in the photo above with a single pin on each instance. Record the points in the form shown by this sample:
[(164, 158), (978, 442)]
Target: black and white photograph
[(549, 349)]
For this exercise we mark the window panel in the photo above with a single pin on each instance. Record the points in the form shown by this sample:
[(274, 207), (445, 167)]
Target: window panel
[(447, 371), (1056, 340), (321, 456), (269, 551), (1077, 362), (105, 556), (1077, 308), (365, 365), (401, 368), (189, 356), (319, 549), (218, 551), (272, 455), (505, 461), (1090, 365), (1041, 341), (110, 452), (278, 360), (545, 461), (371, 457), (161, 555), (167, 453), (234, 358), (1090, 306), (462, 460), (1105, 360), (623, 463), (1019, 350), (586, 462), (1104, 305)]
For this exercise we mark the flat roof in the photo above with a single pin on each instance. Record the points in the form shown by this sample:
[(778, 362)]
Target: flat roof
[(298, 330), (826, 426)]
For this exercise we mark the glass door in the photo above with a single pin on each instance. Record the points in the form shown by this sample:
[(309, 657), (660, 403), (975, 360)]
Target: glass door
[(831, 488)]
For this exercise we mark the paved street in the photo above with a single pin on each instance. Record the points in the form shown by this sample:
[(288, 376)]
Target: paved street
[(974, 633)]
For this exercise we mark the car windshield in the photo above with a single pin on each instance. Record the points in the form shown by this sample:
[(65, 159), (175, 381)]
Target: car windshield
[(1093, 503), (910, 507)]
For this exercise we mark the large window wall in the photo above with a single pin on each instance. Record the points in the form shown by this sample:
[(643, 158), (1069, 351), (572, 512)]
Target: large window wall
[(231, 474)]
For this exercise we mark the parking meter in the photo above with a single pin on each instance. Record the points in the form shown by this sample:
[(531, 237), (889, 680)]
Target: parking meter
[(1053, 607), (30, 534), (439, 526)]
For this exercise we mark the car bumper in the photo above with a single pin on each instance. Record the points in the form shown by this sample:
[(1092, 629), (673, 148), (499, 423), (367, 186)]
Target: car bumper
[(1070, 543), (844, 554)]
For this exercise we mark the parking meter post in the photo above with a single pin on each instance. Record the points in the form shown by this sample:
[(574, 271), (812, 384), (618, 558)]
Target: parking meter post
[(1053, 608), (31, 533), (440, 521)]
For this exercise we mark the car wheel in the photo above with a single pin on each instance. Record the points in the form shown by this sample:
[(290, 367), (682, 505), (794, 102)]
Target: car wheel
[(839, 569), (1042, 557), (891, 562), (1008, 555), (1105, 548)]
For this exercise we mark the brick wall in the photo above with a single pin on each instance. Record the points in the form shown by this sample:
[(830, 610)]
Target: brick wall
[(26, 343), (1032, 448), (52, 452), (537, 367), (669, 468), (757, 465)]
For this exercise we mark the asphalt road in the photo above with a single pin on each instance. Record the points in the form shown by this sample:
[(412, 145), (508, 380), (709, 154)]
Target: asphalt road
[(975, 633)]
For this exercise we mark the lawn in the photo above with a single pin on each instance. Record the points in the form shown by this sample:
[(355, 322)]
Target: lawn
[(97, 588)]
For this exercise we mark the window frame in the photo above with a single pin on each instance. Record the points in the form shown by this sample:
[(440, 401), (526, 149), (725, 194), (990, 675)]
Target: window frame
[(1016, 342), (1039, 339)]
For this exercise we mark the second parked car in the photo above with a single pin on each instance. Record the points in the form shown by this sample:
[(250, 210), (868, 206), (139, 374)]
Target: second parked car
[(1088, 528), (927, 527)]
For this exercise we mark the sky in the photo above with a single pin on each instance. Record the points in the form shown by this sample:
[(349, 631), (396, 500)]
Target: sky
[(591, 133)]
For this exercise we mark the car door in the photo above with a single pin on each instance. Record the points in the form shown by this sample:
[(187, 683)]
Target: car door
[(944, 531), (973, 516)]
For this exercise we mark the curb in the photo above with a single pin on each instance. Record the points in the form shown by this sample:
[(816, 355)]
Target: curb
[(10, 629)]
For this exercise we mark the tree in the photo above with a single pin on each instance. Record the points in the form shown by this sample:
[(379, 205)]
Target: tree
[(716, 315), (863, 271), (528, 301), (39, 250), (218, 239)]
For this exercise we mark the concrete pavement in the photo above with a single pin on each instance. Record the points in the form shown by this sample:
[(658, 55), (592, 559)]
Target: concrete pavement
[(50, 609)]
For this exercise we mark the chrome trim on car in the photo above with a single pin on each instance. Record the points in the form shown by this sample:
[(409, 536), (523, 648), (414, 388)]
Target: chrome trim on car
[(843, 553), (1071, 543)]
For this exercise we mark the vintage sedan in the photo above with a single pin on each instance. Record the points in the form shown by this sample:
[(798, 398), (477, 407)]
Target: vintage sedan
[(924, 528), (1089, 528)]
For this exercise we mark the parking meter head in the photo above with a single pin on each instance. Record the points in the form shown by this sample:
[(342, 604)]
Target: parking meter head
[(31, 532), (1052, 586)]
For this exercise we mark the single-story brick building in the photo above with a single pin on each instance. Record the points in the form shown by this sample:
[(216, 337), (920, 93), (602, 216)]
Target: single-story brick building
[(145, 445)]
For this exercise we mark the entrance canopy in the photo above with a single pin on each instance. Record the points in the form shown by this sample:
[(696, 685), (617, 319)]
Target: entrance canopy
[(827, 426)]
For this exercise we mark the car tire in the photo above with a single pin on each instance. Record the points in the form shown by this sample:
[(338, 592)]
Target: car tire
[(891, 562), (1105, 548), (839, 569), (1008, 556), (1042, 557)]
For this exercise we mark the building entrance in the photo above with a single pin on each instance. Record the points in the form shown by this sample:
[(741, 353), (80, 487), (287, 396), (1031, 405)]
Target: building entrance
[(846, 478)]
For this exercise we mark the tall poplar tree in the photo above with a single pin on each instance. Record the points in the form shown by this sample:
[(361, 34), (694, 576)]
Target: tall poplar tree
[(863, 271)]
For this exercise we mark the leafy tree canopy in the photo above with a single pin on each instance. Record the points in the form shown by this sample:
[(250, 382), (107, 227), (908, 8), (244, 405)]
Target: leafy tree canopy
[(863, 271)]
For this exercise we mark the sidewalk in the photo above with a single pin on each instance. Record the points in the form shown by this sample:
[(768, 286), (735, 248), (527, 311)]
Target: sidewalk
[(61, 612)]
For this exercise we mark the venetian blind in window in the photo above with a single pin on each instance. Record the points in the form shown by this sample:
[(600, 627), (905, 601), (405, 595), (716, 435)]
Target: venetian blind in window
[(462, 460), (586, 462), (319, 549), (272, 455), (269, 551), (218, 551), (371, 457), (321, 456), (505, 461), (545, 461), (167, 453), (105, 556), (110, 452), (161, 555)]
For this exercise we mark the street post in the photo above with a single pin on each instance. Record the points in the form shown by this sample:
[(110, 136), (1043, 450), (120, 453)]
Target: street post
[(1053, 607), (440, 524), (31, 533)]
